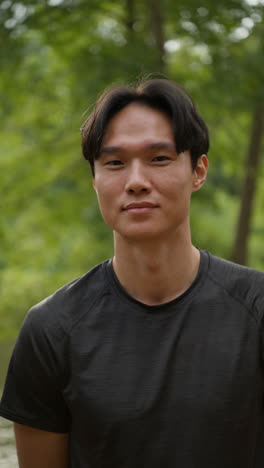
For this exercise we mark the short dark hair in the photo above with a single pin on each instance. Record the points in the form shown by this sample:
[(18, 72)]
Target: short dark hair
[(190, 131)]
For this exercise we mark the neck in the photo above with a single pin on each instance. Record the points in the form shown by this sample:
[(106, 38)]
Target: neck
[(155, 272)]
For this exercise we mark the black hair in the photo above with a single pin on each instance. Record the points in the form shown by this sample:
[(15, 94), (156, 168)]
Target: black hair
[(190, 131)]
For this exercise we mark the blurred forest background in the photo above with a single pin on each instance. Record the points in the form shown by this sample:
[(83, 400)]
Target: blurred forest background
[(56, 57)]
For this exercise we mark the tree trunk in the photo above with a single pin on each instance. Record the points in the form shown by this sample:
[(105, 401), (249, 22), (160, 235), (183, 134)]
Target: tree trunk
[(157, 30), (130, 9), (240, 248)]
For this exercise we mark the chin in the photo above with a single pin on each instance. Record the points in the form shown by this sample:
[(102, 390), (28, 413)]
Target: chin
[(140, 235)]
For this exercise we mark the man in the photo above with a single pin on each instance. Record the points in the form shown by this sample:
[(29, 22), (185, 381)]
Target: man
[(152, 359)]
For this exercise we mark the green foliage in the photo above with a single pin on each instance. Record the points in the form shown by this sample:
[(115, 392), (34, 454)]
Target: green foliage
[(57, 58)]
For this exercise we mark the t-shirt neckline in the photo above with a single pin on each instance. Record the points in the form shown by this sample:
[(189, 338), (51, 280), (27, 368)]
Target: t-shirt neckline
[(166, 306)]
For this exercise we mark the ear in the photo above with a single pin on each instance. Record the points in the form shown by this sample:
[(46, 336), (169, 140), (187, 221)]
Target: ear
[(200, 172)]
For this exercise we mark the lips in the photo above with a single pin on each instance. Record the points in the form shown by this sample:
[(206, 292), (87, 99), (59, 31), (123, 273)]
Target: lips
[(139, 205)]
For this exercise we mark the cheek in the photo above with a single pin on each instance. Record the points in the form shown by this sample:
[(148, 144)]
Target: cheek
[(105, 210), (103, 201), (176, 194), (176, 187), (107, 200), (103, 190)]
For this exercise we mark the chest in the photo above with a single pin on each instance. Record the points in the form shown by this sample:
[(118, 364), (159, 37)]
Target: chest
[(203, 366)]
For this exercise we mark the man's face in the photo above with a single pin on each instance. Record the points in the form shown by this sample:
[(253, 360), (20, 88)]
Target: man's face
[(143, 186)]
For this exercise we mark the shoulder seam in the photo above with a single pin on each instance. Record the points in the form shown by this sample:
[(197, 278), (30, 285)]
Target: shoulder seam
[(233, 297), (68, 329), (74, 323), (80, 318)]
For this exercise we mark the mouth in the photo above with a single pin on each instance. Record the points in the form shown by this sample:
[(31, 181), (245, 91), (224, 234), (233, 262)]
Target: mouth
[(141, 207)]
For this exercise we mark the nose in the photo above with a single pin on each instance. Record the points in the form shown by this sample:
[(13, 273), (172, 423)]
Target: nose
[(137, 180)]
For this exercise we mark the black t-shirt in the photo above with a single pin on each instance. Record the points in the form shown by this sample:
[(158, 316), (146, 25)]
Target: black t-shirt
[(174, 385)]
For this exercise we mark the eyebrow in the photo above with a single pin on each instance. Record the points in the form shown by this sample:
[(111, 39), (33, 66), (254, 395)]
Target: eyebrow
[(162, 145)]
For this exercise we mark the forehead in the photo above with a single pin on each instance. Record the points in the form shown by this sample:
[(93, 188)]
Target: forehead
[(138, 122)]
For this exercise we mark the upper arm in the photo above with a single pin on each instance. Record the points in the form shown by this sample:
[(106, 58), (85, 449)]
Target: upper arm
[(41, 448), (38, 371)]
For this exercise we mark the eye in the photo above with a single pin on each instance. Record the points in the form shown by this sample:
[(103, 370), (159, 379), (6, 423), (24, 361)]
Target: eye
[(114, 162), (161, 158)]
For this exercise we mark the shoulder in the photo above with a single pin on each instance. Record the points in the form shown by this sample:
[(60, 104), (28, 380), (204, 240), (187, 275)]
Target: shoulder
[(58, 312), (243, 284)]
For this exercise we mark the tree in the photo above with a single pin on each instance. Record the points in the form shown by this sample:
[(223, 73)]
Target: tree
[(240, 248), (58, 56)]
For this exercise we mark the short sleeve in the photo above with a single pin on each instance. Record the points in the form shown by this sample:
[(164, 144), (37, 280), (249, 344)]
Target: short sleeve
[(262, 342), (37, 373)]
